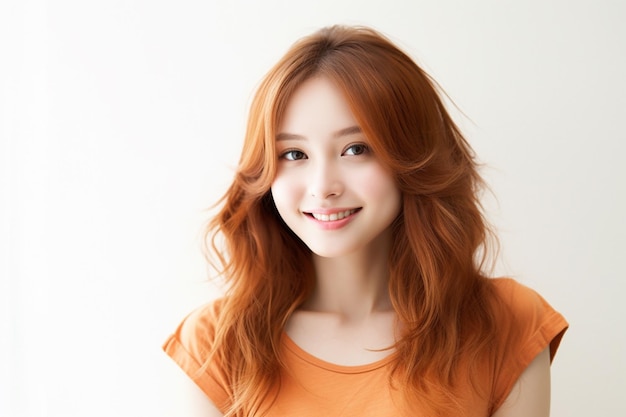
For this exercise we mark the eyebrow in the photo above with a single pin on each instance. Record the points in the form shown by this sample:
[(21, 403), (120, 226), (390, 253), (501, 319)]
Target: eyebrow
[(352, 130)]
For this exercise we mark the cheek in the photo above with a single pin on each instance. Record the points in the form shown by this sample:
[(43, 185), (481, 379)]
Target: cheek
[(378, 183), (284, 193)]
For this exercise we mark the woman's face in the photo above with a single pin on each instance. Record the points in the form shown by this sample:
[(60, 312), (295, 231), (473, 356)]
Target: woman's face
[(330, 189)]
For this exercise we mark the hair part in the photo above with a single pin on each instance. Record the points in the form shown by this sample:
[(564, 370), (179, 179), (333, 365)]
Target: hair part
[(435, 279)]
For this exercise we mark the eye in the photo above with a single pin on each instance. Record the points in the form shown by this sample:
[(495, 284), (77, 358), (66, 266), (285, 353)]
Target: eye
[(293, 155), (356, 149)]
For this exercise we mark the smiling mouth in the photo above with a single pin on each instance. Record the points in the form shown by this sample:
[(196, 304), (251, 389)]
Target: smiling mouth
[(333, 216)]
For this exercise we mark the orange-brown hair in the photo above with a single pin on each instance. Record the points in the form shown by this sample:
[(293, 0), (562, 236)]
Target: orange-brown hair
[(435, 279)]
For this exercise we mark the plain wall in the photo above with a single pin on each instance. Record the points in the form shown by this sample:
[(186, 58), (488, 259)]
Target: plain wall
[(121, 121)]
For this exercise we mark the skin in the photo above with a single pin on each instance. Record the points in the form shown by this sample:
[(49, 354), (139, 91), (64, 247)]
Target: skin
[(530, 395), (188, 399), (326, 167)]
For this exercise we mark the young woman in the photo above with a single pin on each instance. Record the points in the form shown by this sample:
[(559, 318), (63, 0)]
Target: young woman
[(353, 252)]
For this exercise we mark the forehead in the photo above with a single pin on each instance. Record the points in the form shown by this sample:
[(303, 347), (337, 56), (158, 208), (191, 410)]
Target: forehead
[(317, 106)]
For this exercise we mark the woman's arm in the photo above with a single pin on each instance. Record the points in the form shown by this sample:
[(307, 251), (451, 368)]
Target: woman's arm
[(187, 398), (199, 404), (530, 395)]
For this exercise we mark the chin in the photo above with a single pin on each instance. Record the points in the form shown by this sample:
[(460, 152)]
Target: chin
[(331, 252)]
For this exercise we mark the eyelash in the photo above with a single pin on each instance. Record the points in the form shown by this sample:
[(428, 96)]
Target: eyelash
[(290, 153), (364, 147)]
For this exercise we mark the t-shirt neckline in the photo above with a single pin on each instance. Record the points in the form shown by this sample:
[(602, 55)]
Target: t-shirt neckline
[(330, 366)]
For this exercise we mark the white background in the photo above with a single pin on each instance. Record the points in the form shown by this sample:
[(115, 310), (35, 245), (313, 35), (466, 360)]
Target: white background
[(121, 121)]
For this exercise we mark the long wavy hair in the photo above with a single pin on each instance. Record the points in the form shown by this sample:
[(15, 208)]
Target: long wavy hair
[(436, 282)]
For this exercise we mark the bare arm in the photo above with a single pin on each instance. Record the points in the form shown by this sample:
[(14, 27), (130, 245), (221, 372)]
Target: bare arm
[(530, 395), (187, 399)]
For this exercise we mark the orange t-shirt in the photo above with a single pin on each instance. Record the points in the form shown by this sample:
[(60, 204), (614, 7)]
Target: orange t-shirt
[(313, 387)]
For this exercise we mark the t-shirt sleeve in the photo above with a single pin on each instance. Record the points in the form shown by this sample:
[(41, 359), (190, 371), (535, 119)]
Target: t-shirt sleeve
[(190, 346), (534, 326)]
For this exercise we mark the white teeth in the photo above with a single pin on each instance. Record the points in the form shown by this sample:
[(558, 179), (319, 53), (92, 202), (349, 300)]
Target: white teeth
[(334, 216)]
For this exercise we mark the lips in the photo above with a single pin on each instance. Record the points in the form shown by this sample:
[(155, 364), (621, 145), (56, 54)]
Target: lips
[(331, 216)]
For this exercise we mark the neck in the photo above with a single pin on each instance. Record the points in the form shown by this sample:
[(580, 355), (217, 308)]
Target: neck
[(354, 286)]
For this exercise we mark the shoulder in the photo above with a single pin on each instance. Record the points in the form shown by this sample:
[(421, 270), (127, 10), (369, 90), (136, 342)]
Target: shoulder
[(523, 302), (514, 292), (196, 332), (191, 345), (526, 316), (203, 319), (526, 326)]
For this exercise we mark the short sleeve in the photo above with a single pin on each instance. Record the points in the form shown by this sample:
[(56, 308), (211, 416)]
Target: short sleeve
[(532, 325), (190, 346)]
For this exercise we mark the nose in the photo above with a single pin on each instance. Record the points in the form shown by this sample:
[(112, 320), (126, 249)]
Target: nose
[(325, 180)]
